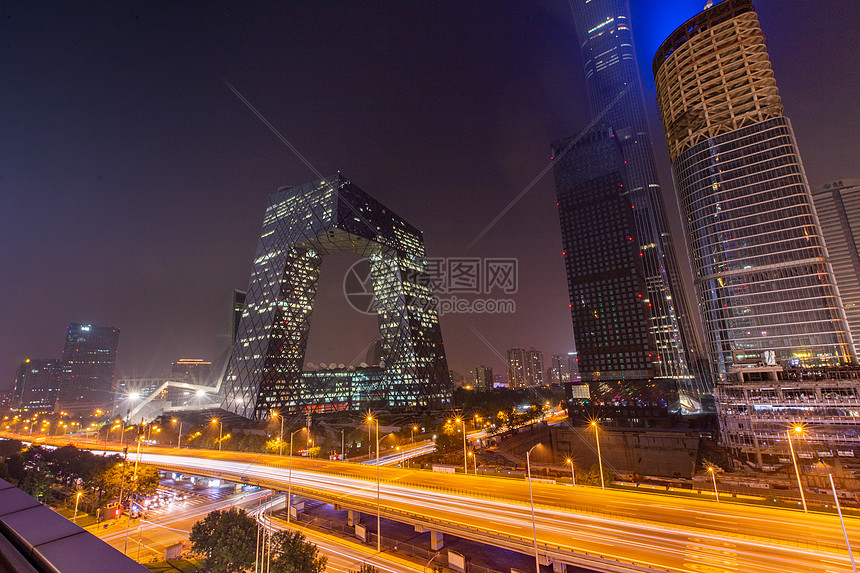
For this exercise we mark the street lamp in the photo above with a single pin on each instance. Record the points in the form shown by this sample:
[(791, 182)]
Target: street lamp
[(378, 518), (77, 499), (599, 458), (179, 436), (798, 430), (281, 436), (572, 475), (465, 464), (842, 521), (290, 479), (532, 502), (714, 477), (220, 431), (414, 429)]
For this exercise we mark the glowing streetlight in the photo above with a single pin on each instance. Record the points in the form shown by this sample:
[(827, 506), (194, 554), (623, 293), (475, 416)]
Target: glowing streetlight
[(179, 436), (465, 463), (281, 436), (799, 431), (290, 479), (378, 514), (220, 431), (599, 458), (532, 502), (77, 499), (714, 477), (572, 475)]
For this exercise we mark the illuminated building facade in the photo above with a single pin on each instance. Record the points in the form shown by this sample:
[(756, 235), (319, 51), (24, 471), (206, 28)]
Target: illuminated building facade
[(525, 368), (482, 378), (760, 404), (763, 278), (838, 206), (88, 361), (37, 385), (302, 225), (616, 102)]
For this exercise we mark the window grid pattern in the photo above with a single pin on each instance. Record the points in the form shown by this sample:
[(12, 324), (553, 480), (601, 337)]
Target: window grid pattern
[(303, 224)]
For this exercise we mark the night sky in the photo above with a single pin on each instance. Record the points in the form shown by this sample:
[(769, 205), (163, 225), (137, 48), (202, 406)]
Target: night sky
[(133, 180)]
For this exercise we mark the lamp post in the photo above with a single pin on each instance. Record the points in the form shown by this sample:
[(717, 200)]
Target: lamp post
[(842, 521), (77, 499), (179, 436), (281, 436), (599, 458), (532, 503), (572, 475), (799, 431), (290, 479), (465, 463), (220, 431), (714, 477), (378, 518), (414, 429)]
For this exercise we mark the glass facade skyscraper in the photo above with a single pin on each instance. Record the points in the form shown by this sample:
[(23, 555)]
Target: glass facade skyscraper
[(88, 361), (37, 385), (615, 97), (838, 206), (763, 278), (302, 224)]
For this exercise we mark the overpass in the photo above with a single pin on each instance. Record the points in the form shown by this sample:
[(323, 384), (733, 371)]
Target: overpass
[(610, 531)]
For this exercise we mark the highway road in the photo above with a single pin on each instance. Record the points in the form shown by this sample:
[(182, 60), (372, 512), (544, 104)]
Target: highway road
[(644, 530), (167, 526)]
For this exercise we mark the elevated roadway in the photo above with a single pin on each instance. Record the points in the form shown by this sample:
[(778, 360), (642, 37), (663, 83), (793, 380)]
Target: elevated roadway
[(610, 530)]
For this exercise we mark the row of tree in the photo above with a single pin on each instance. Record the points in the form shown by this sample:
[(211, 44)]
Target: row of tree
[(47, 473)]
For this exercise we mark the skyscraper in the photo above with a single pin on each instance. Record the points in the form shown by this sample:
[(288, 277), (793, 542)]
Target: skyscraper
[(301, 226), (88, 361), (36, 385), (838, 207), (763, 279), (616, 102)]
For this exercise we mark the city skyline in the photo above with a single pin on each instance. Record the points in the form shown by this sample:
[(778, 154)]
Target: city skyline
[(126, 192)]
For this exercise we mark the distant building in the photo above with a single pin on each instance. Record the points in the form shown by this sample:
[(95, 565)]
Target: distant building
[(525, 368), (499, 381), (561, 370), (196, 369), (37, 385), (238, 306), (482, 378), (458, 379), (838, 207), (88, 361)]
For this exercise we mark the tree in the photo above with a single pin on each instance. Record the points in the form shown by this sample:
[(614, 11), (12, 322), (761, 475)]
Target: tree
[(226, 539), (296, 555), (119, 476), (591, 476), (365, 568)]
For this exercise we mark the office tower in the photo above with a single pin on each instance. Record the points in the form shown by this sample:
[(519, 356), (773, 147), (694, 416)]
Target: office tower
[(482, 378), (238, 305), (615, 98), (763, 279), (525, 368), (36, 385), (88, 361), (301, 226), (838, 207)]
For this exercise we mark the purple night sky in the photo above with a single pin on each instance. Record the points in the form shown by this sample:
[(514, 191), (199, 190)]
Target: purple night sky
[(133, 181)]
